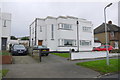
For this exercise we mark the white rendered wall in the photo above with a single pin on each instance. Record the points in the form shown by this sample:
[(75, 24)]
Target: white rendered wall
[(5, 31), (51, 43), (88, 55), (67, 34), (32, 26), (45, 35), (0, 28), (86, 35)]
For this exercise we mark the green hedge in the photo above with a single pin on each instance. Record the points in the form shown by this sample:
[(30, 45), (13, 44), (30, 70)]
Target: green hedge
[(115, 51), (5, 53)]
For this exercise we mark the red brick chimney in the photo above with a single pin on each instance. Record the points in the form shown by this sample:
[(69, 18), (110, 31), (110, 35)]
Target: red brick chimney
[(109, 22)]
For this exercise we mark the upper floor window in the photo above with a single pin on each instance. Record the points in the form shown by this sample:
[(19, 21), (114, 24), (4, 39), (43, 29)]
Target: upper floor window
[(86, 29), (33, 31), (40, 28), (52, 31), (112, 34), (4, 24), (65, 26)]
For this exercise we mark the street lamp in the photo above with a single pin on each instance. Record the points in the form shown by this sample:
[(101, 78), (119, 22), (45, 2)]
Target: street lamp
[(77, 37), (107, 55)]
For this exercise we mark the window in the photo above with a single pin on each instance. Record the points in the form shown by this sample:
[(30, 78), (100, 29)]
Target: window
[(116, 45), (4, 23), (52, 31), (33, 31), (40, 28), (112, 34), (69, 42), (85, 42), (102, 47), (66, 42), (65, 26), (86, 29)]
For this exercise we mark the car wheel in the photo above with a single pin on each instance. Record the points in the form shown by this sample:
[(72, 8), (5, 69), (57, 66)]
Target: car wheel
[(109, 51), (46, 54), (73, 50)]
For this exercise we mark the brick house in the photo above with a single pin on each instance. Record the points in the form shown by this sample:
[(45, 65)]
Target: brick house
[(113, 34)]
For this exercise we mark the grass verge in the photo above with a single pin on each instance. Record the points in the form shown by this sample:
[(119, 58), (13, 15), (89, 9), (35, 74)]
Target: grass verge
[(101, 66), (66, 55)]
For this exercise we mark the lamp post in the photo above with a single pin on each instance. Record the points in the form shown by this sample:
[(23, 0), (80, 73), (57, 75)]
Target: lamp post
[(106, 36), (77, 37)]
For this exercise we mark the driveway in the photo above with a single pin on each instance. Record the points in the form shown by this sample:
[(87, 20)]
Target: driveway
[(51, 67)]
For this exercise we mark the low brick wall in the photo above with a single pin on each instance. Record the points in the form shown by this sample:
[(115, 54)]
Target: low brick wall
[(6, 59)]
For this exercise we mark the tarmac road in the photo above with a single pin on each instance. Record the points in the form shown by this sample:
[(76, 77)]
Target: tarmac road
[(51, 67)]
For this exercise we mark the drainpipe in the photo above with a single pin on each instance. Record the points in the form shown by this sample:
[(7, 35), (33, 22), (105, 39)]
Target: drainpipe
[(77, 36), (35, 31), (30, 37)]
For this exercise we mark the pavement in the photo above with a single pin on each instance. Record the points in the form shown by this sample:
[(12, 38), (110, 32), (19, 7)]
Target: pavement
[(51, 67)]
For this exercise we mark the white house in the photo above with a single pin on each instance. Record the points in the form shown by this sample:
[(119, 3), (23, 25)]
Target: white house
[(24, 42), (60, 34), (5, 30)]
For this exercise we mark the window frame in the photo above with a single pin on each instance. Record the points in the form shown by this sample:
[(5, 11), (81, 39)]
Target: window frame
[(86, 29), (65, 26)]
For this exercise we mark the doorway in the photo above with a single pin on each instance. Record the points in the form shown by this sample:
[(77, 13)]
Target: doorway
[(40, 42)]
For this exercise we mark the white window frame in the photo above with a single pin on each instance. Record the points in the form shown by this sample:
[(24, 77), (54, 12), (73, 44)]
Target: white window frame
[(85, 43), (86, 29), (65, 26)]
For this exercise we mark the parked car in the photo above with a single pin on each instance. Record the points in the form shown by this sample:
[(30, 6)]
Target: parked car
[(43, 49), (18, 49), (103, 48)]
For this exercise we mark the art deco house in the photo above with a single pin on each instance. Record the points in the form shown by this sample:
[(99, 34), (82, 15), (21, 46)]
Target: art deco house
[(60, 33)]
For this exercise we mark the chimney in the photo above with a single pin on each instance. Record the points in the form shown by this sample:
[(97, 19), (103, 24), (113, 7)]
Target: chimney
[(109, 22)]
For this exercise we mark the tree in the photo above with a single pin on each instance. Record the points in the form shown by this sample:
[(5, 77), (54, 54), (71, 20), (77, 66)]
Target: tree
[(13, 38), (25, 38)]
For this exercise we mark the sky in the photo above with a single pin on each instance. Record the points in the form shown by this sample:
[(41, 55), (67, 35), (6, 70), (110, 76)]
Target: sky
[(24, 12)]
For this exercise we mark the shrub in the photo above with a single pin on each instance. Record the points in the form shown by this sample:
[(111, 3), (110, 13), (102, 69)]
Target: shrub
[(115, 51)]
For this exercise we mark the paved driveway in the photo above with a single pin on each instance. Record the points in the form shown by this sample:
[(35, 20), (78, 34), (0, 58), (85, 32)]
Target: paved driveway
[(51, 67)]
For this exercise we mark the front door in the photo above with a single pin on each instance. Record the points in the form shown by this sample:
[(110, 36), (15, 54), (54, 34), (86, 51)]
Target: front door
[(4, 43), (40, 42)]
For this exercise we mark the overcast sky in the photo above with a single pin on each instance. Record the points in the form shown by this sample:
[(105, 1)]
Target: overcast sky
[(23, 13)]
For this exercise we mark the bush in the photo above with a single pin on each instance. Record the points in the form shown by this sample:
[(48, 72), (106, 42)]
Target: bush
[(5, 53), (115, 51)]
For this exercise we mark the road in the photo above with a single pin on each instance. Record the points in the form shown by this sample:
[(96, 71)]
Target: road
[(51, 67)]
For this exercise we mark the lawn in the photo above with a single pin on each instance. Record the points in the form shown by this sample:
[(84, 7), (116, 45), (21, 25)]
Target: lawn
[(3, 72), (66, 55), (100, 65)]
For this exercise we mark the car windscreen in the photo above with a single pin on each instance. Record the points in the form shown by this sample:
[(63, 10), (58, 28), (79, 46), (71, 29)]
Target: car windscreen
[(19, 47)]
